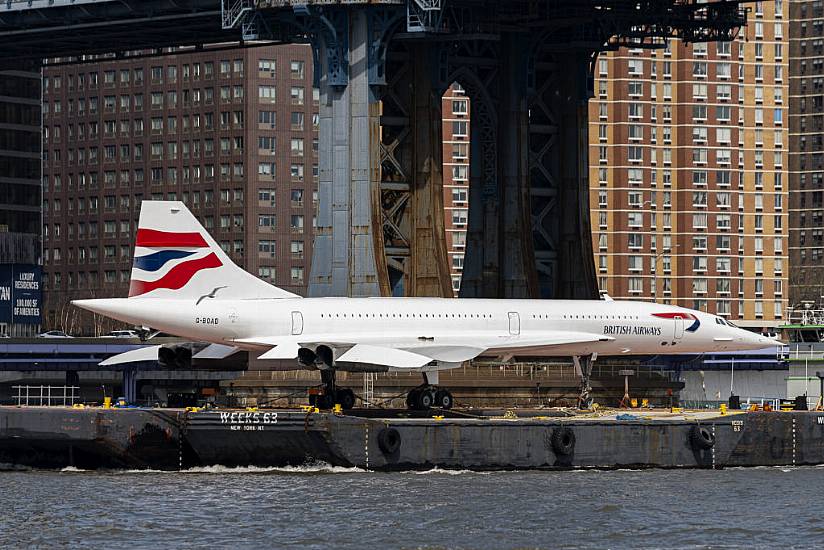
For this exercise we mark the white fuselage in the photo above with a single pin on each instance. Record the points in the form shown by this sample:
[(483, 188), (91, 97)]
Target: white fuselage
[(628, 327)]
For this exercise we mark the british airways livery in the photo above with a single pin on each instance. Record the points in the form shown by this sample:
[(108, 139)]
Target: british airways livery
[(184, 284)]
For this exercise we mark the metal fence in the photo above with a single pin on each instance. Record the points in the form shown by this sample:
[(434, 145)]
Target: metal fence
[(796, 354), (46, 396)]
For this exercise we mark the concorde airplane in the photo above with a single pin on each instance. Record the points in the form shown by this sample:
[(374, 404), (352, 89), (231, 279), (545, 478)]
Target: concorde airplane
[(184, 284)]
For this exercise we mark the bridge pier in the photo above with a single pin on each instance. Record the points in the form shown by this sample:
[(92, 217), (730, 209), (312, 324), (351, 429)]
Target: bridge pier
[(380, 228), (343, 262)]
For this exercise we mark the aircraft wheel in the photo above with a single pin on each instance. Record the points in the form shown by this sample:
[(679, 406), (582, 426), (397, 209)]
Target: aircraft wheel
[(443, 399), (426, 398), (346, 398), (412, 399), (325, 402)]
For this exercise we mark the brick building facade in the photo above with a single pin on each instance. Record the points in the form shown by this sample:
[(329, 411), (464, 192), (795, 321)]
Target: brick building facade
[(688, 172), (231, 133), (806, 156), (455, 109)]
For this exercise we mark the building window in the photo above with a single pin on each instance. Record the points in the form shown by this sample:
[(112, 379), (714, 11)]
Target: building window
[(296, 69), (267, 92)]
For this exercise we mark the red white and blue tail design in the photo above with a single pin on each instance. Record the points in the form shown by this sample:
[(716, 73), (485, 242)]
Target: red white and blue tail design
[(175, 257), (168, 260)]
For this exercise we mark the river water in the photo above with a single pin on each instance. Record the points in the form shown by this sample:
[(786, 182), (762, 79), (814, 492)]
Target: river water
[(324, 507)]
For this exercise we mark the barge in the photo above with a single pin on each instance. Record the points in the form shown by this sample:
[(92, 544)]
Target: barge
[(173, 439)]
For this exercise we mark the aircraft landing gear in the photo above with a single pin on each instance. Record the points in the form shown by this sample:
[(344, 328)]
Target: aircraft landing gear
[(429, 395), (583, 367), (330, 395)]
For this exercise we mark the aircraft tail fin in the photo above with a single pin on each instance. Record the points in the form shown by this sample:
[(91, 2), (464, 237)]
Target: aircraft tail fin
[(175, 257)]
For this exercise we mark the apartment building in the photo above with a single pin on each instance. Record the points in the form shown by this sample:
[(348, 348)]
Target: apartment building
[(806, 155), (20, 293), (231, 133), (455, 109), (688, 171)]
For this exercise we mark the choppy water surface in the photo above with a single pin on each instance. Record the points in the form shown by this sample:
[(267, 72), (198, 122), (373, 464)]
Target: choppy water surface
[(321, 507)]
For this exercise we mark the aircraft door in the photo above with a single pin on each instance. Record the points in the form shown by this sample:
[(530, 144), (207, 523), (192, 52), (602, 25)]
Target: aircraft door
[(679, 328), (297, 323), (514, 323)]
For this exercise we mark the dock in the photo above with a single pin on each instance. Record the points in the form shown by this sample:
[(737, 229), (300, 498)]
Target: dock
[(174, 439)]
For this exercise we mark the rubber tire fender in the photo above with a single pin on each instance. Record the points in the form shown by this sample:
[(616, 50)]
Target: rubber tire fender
[(701, 438), (389, 440), (563, 441)]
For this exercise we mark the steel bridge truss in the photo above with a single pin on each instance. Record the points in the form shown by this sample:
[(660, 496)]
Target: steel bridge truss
[(527, 68)]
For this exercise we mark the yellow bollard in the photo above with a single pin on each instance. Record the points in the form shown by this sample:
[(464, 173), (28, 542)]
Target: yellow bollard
[(723, 408), (338, 408), (107, 402), (633, 403), (645, 403)]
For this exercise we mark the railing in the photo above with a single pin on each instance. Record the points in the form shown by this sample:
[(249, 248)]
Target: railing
[(19, 5), (46, 396), (803, 354), (240, 13), (423, 15), (368, 388), (746, 402)]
